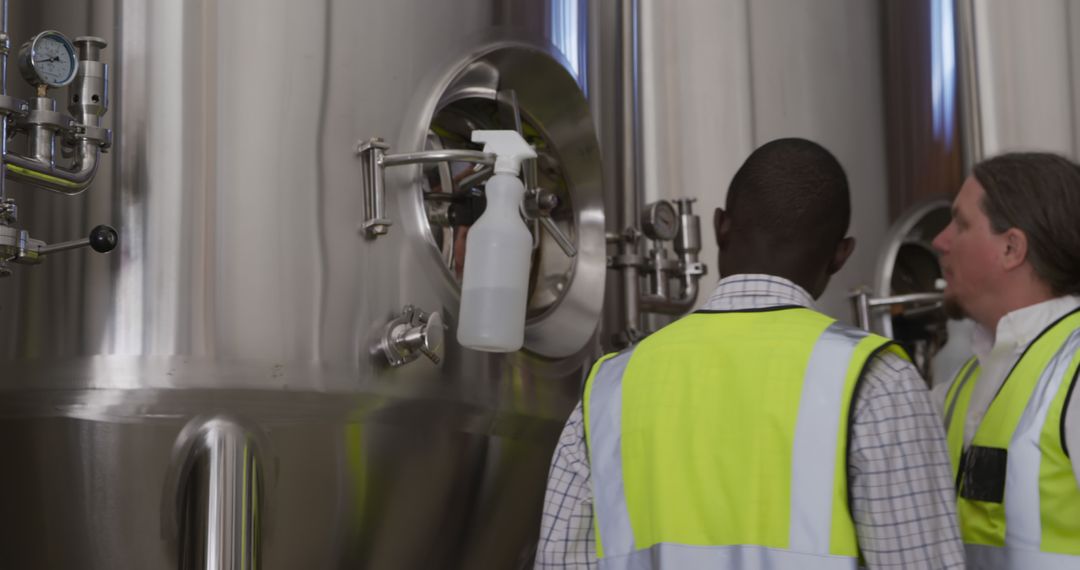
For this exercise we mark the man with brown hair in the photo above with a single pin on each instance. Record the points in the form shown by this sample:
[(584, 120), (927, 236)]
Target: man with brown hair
[(1011, 257)]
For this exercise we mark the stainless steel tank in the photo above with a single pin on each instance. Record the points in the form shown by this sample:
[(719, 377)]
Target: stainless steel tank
[(212, 394)]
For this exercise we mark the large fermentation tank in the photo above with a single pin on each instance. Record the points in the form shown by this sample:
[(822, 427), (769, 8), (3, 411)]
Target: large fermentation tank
[(211, 395)]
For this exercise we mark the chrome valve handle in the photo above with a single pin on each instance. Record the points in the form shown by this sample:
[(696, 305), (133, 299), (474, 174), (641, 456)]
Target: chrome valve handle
[(411, 334)]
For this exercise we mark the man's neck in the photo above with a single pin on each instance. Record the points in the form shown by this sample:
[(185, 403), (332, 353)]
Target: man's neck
[(1016, 300), (757, 268)]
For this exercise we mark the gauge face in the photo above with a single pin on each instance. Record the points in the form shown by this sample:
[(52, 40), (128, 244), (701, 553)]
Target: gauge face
[(661, 221), (50, 60)]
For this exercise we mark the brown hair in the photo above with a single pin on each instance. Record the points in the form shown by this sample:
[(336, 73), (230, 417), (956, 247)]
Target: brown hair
[(1039, 194)]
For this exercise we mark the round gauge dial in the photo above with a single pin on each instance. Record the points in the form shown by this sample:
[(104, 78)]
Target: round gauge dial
[(660, 221), (48, 59)]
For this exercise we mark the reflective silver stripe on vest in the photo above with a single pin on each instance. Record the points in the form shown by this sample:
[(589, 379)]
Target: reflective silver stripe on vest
[(981, 557), (605, 456), (1023, 527), (816, 435), (685, 557), (970, 368)]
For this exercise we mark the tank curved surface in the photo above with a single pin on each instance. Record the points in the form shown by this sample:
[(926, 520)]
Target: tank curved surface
[(242, 288)]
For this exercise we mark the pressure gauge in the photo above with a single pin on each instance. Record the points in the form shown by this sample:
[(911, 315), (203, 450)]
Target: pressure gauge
[(48, 59), (660, 221)]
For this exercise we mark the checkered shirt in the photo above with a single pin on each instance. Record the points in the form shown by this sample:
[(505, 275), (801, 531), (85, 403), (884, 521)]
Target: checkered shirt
[(902, 496)]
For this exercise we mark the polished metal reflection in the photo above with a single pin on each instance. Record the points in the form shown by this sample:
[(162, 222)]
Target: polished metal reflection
[(916, 229), (552, 103), (906, 302), (219, 496), (244, 288)]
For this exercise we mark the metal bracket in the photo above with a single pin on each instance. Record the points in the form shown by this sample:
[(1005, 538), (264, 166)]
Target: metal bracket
[(374, 159), (13, 106), (537, 206), (100, 135), (375, 221)]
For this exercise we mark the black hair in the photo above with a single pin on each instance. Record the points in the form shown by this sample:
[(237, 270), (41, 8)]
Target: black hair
[(791, 194)]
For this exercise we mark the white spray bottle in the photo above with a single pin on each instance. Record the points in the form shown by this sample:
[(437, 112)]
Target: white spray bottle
[(498, 254)]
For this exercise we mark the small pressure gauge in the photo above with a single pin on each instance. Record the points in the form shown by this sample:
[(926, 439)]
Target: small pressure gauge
[(48, 59), (660, 221)]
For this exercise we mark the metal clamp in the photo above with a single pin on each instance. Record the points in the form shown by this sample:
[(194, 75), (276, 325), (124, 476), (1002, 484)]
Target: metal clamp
[(374, 159), (411, 334), (97, 135), (13, 106), (537, 206)]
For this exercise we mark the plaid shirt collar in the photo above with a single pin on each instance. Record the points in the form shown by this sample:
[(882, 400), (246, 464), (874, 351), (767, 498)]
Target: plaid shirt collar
[(756, 291)]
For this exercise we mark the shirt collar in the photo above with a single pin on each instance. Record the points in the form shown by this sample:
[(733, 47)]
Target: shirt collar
[(756, 291), (1017, 329)]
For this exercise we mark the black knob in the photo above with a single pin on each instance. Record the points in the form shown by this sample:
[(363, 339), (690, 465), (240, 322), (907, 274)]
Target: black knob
[(103, 239)]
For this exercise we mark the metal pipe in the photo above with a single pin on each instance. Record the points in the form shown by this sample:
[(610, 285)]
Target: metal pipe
[(560, 238), (630, 153), (476, 177), (687, 245), (4, 48), (910, 298), (436, 156), (862, 309), (55, 178), (630, 123), (631, 307), (658, 278), (41, 142), (220, 500), (666, 306), (970, 106)]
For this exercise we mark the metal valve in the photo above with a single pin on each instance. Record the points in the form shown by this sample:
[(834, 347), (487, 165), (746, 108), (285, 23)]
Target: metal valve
[(411, 334), (17, 246)]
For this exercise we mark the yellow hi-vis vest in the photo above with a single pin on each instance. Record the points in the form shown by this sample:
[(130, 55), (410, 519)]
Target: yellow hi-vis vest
[(1019, 504), (720, 441)]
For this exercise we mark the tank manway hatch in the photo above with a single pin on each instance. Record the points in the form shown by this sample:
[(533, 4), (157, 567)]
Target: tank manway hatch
[(525, 89)]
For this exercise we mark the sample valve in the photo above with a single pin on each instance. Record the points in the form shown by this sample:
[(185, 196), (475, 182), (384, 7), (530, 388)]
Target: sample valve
[(17, 246), (49, 61), (411, 334)]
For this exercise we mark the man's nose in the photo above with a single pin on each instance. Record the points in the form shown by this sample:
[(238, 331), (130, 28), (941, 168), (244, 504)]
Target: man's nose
[(941, 241)]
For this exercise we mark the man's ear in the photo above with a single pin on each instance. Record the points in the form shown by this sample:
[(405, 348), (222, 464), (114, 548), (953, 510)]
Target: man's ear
[(844, 249), (1016, 248), (721, 227)]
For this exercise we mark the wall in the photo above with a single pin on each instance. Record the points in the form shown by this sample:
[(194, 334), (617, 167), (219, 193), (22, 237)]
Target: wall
[(1027, 61), (721, 78)]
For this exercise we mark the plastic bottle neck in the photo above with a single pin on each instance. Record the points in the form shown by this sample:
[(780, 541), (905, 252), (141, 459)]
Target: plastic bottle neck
[(504, 191)]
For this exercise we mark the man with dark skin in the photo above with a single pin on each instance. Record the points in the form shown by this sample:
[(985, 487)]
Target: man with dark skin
[(757, 432)]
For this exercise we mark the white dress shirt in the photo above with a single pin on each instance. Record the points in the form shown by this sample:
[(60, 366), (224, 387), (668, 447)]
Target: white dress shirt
[(998, 353)]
